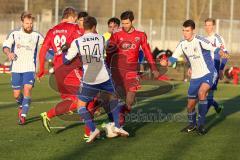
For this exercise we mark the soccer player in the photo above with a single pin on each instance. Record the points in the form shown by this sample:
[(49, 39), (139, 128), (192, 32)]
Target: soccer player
[(67, 77), (122, 57), (96, 78), (21, 48), (219, 63), (80, 20), (196, 49), (113, 25)]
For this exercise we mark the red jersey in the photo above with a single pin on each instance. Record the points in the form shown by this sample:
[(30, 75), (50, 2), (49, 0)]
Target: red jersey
[(63, 33), (128, 45)]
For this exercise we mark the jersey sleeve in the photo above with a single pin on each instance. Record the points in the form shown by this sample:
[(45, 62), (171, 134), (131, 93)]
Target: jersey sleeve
[(43, 51), (72, 51), (176, 54), (147, 52), (111, 49), (224, 60), (9, 41), (205, 44)]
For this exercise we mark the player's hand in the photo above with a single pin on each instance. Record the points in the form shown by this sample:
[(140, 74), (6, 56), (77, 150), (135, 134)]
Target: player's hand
[(156, 74), (221, 75), (163, 62), (40, 74), (11, 56), (224, 55), (189, 72)]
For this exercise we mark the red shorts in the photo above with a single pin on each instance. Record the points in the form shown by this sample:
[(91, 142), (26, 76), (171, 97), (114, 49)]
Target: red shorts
[(68, 80), (126, 81)]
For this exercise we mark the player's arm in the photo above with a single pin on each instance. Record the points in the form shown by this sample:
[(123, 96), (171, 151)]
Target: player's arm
[(148, 54), (72, 52), (40, 43), (111, 49), (224, 60), (173, 59), (208, 46), (42, 54), (7, 45)]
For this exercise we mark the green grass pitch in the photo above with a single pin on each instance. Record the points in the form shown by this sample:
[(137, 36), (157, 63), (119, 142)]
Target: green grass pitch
[(149, 140)]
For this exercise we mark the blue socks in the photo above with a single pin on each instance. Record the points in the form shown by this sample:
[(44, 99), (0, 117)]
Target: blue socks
[(211, 101), (192, 117), (25, 106), (202, 111), (83, 112), (115, 108)]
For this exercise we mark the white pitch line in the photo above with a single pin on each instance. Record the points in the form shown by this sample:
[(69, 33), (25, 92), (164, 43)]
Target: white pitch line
[(58, 127)]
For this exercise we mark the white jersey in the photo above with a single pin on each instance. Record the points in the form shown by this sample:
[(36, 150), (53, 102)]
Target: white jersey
[(197, 53), (25, 46), (217, 41), (90, 46)]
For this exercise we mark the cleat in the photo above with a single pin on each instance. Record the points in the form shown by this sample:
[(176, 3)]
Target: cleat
[(45, 121), (22, 120), (85, 137), (219, 110), (201, 130), (93, 136), (120, 132), (189, 128), (109, 130)]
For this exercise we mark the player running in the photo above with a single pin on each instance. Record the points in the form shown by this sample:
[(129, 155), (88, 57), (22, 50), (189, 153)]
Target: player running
[(219, 63), (197, 50), (67, 77), (96, 77), (122, 57), (21, 48)]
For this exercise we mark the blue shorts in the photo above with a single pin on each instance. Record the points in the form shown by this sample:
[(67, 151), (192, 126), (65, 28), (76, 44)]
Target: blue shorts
[(20, 79), (214, 86), (141, 57), (196, 83), (88, 92)]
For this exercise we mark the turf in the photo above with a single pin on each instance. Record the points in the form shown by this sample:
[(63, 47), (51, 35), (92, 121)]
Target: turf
[(154, 127)]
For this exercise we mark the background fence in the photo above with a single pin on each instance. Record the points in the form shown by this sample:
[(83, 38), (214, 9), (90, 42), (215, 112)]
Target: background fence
[(160, 19)]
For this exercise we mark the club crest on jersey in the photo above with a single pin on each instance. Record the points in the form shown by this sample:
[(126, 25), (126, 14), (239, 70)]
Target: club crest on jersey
[(137, 39)]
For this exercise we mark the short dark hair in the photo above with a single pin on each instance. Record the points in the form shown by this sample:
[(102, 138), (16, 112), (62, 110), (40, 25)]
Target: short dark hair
[(26, 15), (82, 14), (114, 20), (69, 11), (189, 23), (210, 20), (127, 15), (89, 22)]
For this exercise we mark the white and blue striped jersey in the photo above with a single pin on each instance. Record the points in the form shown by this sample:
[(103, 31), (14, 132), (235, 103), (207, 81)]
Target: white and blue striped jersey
[(216, 41), (25, 46), (90, 46), (197, 52)]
